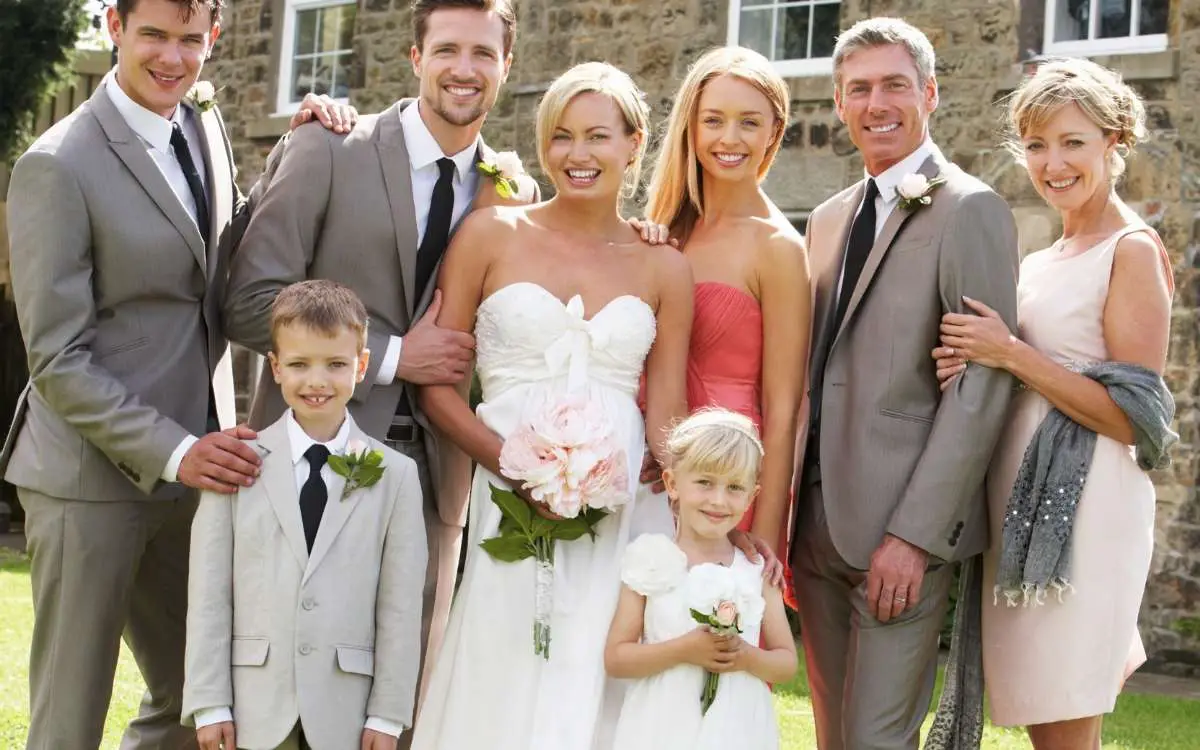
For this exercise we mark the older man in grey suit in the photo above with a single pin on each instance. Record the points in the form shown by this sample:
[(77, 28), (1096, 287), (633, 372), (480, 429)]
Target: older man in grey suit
[(114, 220), (892, 479), (375, 210)]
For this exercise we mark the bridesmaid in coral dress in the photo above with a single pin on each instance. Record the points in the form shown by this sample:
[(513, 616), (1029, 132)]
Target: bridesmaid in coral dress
[(750, 328)]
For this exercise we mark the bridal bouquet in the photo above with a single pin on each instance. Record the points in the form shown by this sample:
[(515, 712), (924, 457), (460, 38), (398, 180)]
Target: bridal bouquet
[(713, 598), (566, 457)]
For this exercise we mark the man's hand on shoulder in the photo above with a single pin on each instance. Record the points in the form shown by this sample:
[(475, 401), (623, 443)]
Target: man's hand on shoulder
[(335, 116), (221, 462), (431, 355)]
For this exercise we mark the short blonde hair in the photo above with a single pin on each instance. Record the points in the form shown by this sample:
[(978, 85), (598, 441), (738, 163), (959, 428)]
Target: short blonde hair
[(716, 441), (1107, 101), (675, 195), (597, 78), (883, 32), (321, 305)]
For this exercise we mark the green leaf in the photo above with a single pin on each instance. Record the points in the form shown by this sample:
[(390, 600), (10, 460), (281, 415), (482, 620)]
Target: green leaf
[(544, 527), (701, 618), (484, 168), (374, 458), (339, 466), (503, 189), (507, 548), (514, 507), (571, 529), (368, 475)]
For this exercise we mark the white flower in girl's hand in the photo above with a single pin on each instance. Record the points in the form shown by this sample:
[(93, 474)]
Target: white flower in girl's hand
[(653, 565)]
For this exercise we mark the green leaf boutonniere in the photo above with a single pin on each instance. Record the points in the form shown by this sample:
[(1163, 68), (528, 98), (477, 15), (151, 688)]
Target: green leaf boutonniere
[(202, 96), (359, 465), (915, 190), (504, 170)]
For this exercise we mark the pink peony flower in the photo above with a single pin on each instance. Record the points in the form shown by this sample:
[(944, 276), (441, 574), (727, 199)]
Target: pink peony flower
[(726, 614)]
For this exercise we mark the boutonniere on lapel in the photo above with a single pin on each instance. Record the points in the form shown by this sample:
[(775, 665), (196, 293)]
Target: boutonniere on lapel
[(915, 190), (359, 466), (202, 96), (504, 170)]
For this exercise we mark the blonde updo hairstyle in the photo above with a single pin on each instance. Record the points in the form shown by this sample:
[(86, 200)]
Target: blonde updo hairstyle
[(718, 442), (1107, 101), (675, 197), (598, 78)]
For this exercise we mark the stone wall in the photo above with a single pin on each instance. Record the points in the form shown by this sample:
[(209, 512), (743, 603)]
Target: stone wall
[(979, 44)]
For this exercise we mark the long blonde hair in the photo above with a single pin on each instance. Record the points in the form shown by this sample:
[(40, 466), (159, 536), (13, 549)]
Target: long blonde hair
[(676, 191), (598, 78)]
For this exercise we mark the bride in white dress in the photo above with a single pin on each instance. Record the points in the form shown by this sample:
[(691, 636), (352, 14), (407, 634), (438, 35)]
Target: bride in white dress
[(562, 296)]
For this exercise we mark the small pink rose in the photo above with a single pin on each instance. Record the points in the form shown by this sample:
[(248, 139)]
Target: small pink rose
[(727, 614), (356, 447)]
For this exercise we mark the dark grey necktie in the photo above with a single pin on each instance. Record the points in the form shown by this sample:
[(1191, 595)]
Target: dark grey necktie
[(183, 155), (314, 493)]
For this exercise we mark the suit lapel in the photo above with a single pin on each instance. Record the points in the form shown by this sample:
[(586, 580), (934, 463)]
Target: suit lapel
[(826, 282), (279, 482), (220, 178), (337, 510), (891, 229), (397, 179), (132, 152)]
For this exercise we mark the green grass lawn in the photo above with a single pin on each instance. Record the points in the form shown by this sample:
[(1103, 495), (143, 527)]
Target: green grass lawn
[(1140, 722)]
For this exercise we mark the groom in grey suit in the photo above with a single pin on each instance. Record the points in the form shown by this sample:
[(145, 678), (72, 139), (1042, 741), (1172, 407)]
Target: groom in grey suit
[(891, 485), (375, 210), (115, 218)]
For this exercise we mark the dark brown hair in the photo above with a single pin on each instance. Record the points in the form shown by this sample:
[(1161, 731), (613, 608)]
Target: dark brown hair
[(506, 9), (321, 305), (187, 8)]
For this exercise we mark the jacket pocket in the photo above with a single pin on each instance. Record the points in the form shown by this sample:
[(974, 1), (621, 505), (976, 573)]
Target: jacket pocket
[(249, 652), (126, 346), (906, 417), (356, 660)]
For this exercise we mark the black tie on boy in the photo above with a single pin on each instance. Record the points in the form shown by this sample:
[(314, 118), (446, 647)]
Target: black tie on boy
[(314, 493)]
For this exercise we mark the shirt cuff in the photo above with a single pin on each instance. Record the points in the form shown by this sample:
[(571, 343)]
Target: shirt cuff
[(390, 361), (208, 716), (383, 725), (171, 470)]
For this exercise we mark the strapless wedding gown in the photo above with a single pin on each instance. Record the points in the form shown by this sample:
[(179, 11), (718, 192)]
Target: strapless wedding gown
[(488, 690)]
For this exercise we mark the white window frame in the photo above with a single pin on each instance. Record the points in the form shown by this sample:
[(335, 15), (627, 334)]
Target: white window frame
[(287, 51), (1122, 45), (813, 66)]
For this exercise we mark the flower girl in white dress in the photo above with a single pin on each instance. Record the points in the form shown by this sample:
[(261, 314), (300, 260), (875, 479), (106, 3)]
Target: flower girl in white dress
[(656, 639)]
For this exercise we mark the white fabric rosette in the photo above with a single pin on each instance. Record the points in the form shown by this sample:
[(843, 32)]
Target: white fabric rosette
[(653, 565)]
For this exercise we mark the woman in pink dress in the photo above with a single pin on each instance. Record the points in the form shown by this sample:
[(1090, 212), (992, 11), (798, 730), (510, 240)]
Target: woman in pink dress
[(750, 329)]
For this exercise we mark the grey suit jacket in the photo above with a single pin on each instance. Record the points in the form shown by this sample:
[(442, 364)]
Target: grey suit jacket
[(340, 207), (281, 635), (896, 455), (119, 302)]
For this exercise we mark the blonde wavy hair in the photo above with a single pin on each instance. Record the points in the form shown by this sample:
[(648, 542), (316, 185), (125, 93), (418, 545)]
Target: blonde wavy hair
[(675, 196), (1107, 101), (718, 442), (598, 78)]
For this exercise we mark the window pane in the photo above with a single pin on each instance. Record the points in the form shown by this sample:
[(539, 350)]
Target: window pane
[(755, 31), (302, 78), (306, 31), (752, 3), (826, 25), (1154, 17), (1115, 20), (322, 80), (328, 33), (341, 77), (1071, 20), (792, 39), (346, 38)]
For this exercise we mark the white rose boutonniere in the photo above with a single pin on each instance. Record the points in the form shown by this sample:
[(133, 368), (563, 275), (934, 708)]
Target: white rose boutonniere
[(504, 170), (915, 191), (202, 95), (359, 466)]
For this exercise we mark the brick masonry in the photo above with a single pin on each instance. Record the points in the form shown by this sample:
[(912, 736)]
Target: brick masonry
[(978, 43)]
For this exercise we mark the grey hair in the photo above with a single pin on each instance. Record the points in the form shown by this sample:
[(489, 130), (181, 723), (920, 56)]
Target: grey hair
[(881, 32)]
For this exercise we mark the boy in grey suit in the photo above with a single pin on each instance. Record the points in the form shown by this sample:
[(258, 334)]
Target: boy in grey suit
[(304, 602)]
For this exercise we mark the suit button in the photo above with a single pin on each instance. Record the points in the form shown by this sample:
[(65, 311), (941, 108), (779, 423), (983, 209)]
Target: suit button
[(305, 649), (308, 603)]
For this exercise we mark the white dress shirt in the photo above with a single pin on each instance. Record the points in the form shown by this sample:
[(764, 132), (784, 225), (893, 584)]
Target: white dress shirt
[(301, 442), (154, 131), (423, 154)]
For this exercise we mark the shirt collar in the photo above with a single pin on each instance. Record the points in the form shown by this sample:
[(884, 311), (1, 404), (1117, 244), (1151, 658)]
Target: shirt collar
[(890, 178), (150, 127), (301, 442), (423, 148)]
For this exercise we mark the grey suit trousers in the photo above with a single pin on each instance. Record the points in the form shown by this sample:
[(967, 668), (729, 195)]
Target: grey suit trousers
[(102, 571), (871, 682)]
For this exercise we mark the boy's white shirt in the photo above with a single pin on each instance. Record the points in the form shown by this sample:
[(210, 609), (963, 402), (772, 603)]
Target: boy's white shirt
[(300, 442)]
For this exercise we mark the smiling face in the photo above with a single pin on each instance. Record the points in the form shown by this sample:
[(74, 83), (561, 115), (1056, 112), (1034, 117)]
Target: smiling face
[(1067, 158), (733, 128), (590, 148), (708, 505), (884, 104), (461, 64), (317, 372), (159, 53)]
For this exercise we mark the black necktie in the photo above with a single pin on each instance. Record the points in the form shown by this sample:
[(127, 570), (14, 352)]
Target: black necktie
[(314, 493), (437, 229), (183, 155)]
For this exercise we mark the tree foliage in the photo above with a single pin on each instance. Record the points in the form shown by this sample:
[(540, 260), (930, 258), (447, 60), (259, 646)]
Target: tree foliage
[(37, 40)]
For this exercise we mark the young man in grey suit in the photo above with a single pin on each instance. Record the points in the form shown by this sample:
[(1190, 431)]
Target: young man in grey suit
[(375, 210), (891, 487), (114, 220)]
